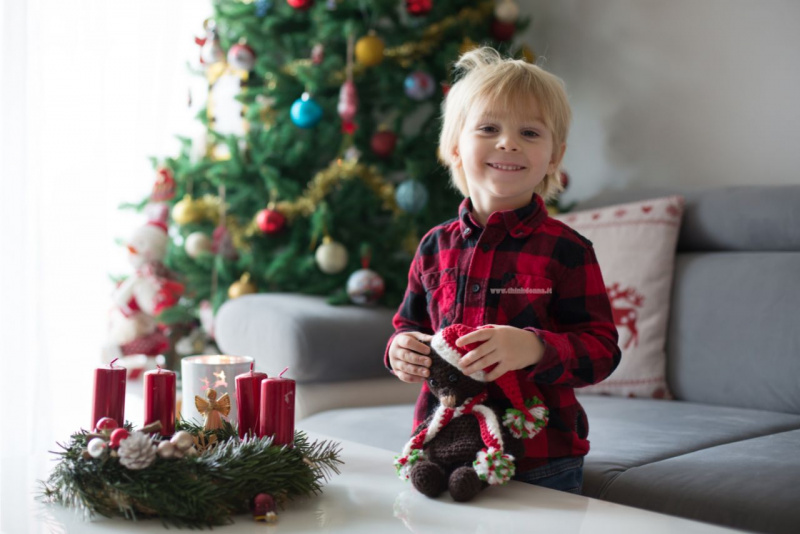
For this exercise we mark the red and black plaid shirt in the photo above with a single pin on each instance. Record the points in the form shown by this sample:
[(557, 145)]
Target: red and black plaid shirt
[(526, 270)]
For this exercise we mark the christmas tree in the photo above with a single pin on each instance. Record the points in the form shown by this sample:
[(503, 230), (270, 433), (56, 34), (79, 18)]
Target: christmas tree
[(317, 172)]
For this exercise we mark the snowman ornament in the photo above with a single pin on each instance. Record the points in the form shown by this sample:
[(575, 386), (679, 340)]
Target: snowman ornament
[(142, 296)]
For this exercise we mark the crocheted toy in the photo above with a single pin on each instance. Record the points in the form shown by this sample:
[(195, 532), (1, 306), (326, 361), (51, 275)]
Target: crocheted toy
[(469, 442)]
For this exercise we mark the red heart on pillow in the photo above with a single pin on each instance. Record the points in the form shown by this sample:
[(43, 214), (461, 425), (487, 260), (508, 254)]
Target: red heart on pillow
[(647, 209), (595, 216), (620, 213)]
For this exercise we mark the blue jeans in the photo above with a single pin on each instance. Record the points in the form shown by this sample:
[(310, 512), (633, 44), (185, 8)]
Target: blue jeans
[(563, 474)]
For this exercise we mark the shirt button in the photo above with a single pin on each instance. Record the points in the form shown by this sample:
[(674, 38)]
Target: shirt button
[(467, 231), (476, 288)]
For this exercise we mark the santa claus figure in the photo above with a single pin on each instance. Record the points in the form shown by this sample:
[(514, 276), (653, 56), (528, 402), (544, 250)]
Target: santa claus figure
[(138, 300)]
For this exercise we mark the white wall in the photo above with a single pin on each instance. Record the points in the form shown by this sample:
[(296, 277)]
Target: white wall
[(693, 93)]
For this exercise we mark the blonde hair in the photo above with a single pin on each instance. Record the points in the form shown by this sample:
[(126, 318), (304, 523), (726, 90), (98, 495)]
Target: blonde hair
[(484, 75)]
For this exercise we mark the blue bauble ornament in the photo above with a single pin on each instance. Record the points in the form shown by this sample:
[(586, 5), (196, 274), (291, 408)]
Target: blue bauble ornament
[(411, 196), (262, 6), (305, 112), (419, 85)]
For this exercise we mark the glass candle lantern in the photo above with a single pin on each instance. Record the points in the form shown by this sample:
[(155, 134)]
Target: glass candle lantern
[(217, 372)]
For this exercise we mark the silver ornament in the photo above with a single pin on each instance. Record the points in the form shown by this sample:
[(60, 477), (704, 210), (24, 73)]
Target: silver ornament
[(97, 447), (365, 287), (331, 256), (182, 441), (166, 450), (197, 243)]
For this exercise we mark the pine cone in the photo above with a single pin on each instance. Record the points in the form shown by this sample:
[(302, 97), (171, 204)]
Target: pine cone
[(137, 451)]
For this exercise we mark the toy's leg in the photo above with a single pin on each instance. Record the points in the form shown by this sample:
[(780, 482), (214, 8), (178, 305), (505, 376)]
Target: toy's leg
[(464, 484), (428, 478)]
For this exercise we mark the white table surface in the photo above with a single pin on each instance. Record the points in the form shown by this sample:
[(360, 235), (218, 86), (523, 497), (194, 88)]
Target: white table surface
[(366, 497)]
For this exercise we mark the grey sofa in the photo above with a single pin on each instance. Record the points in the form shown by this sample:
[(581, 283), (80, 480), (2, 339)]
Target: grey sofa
[(726, 451)]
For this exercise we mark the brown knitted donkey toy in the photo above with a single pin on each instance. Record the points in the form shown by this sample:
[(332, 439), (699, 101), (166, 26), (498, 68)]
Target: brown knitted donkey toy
[(462, 447)]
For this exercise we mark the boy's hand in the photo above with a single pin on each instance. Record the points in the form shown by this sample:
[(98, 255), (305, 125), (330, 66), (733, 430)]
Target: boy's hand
[(509, 347), (408, 356)]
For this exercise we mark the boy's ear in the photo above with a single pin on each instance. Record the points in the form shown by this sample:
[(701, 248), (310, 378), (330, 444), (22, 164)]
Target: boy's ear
[(456, 161), (558, 155)]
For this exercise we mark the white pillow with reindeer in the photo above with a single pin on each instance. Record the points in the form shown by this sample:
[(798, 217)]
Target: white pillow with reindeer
[(635, 246)]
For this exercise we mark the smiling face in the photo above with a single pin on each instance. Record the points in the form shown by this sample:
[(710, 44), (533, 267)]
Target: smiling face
[(505, 153)]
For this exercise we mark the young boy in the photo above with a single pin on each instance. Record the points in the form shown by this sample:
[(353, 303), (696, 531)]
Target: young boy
[(504, 262)]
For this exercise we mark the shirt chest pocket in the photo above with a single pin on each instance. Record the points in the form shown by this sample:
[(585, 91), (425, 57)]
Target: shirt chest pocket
[(441, 288), (525, 301)]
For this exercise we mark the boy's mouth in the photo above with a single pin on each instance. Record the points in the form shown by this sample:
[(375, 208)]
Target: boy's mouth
[(505, 166)]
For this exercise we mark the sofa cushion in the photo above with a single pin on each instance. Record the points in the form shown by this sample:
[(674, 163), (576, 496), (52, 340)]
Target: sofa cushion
[(635, 247), (733, 338), (628, 433), (740, 218), (624, 433), (317, 341), (752, 484)]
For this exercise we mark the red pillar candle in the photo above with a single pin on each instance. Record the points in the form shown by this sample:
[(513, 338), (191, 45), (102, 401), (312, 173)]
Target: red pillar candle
[(109, 394), (159, 399), (248, 401), (276, 417)]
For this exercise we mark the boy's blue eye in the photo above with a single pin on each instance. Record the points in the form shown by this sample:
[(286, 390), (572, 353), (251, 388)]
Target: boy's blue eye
[(530, 133), (488, 129)]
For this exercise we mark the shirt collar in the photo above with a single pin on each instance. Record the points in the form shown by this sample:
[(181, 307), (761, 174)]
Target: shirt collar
[(519, 223)]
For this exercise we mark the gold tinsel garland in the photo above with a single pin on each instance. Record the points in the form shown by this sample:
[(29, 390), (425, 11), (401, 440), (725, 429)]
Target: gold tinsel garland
[(407, 53), (337, 172)]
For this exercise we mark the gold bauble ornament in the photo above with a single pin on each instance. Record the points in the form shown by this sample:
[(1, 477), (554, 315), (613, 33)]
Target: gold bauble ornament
[(243, 286), (369, 50), (187, 211)]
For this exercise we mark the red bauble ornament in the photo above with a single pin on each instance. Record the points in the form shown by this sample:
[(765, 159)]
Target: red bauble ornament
[(383, 143), (117, 436), (348, 101), (564, 180), (317, 54), (300, 5), (222, 243), (164, 188), (270, 221), (264, 508), (419, 8), (503, 31), (106, 423)]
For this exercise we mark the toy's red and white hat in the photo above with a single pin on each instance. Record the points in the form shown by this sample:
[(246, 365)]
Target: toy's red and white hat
[(444, 342), (526, 418)]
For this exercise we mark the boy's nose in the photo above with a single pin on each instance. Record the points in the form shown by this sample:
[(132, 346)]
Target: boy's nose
[(505, 144)]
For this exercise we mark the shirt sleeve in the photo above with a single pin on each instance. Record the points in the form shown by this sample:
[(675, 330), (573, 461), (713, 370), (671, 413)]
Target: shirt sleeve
[(581, 347), (412, 315)]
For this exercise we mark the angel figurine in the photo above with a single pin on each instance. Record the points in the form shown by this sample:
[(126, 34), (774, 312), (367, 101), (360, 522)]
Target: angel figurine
[(213, 409)]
